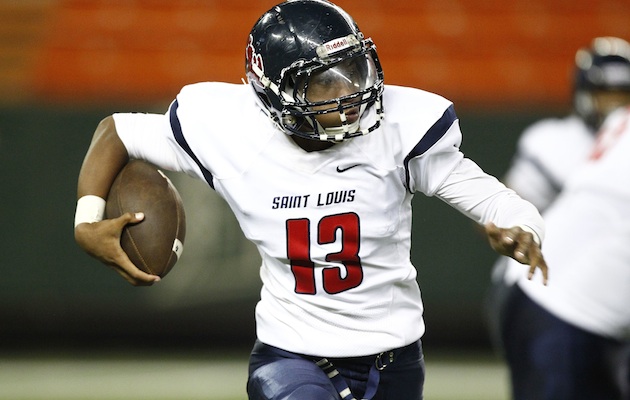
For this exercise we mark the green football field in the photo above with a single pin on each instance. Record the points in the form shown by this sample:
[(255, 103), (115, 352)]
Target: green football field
[(187, 376)]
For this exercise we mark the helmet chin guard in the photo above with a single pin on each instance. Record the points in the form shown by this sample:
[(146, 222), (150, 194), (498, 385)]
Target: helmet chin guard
[(314, 73)]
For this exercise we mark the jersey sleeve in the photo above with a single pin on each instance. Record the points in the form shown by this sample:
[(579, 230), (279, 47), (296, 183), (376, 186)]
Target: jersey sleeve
[(547, 154), (436, 154), (436, 167), (531, 173), (150, 137), (484, 199)]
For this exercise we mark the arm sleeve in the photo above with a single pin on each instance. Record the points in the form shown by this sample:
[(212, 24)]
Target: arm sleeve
[(437, 167), (484, 199), (149, 137), (435, 156)]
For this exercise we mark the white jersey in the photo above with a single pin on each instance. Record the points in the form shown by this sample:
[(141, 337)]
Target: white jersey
[(548, 151), (587, 240), (333, 227)]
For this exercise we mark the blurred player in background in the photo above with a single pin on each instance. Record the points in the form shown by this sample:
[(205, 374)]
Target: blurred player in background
[(549, 359), (550, 150), (319, 161), (571, 341)]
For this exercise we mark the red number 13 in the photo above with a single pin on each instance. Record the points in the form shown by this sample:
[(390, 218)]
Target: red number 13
[(299, 253)]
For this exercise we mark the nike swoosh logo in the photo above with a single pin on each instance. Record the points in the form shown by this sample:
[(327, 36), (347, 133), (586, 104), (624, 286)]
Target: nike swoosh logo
[(340, 170)]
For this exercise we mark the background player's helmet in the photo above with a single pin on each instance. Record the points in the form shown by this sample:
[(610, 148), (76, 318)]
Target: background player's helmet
[(301, 42), (604, 67)]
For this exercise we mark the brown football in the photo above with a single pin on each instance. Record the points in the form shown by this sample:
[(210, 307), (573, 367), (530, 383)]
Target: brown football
[(155, 244)]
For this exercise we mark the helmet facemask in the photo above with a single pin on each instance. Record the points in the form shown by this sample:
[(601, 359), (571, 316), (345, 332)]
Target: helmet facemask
[(326, 100)]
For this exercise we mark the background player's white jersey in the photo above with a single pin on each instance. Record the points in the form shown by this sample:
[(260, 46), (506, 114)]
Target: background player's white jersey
[(333, 227), (548, 151), (587, 239)]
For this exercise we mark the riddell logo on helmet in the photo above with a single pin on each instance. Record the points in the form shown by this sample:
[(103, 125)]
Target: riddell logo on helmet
[(336, 45)]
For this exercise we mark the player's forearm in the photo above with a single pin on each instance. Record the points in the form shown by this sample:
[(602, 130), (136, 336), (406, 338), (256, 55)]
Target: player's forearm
[(104, 159)]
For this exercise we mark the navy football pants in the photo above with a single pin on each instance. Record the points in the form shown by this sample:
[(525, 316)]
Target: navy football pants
[(275, 374), (550, 359)]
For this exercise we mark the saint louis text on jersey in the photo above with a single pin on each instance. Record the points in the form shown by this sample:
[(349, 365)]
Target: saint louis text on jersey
[(319, 200)]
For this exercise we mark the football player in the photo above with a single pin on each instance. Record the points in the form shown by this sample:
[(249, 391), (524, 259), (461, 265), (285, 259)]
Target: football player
[(550, 150), (601, 85), (319, 161), (572, 340)]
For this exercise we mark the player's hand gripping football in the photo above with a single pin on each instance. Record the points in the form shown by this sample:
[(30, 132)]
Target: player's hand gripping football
[(520, 245), (101, 240)]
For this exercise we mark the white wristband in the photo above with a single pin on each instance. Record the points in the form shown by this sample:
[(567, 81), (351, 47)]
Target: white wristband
[(90, 209)]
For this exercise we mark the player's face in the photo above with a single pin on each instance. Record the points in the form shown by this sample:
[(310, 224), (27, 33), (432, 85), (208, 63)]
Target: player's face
[(607, 101), (343, 79)]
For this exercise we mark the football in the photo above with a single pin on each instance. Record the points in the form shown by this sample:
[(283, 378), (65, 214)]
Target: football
[(155, 244)]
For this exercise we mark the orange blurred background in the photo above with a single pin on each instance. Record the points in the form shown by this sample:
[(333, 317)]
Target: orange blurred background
[(478, 53)]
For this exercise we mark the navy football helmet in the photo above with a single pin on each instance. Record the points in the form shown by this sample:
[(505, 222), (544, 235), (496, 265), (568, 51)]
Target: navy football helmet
[(604, 67), (308, 59)]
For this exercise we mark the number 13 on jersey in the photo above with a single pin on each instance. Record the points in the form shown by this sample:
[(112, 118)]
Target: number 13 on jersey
[(334, 280)]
